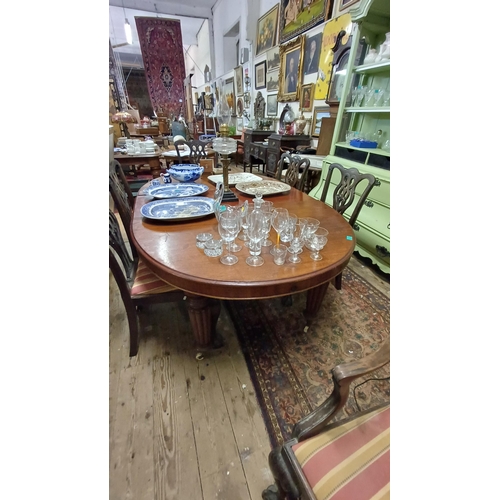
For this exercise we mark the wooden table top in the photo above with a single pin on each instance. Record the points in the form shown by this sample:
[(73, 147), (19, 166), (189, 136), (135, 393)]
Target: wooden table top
[(169, 249), (138, 156)]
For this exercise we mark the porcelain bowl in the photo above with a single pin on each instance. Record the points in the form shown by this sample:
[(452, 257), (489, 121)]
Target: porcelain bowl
[(186, 172)]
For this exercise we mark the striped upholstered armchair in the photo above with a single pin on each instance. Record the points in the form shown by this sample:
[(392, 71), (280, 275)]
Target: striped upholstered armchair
[(346, 459)]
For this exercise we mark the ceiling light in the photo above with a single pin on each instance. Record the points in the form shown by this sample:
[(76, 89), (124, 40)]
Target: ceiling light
[(128, 32)]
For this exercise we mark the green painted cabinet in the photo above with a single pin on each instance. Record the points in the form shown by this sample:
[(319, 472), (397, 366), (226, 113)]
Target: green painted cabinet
[(368, 119)]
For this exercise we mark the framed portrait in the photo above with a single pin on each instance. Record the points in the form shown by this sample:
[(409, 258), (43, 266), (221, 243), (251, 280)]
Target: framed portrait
[(344, 4), (312, 51), (272, 81), (260, 75), (291, 56), (318, 115), (238, 78), (228, 92), (306, 97), (208, 102), (273, 59), (272, 105), (267, 27), (298, 17)]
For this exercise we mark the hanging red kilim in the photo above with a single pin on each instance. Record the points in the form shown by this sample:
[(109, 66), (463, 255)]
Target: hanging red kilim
[(163, 56)]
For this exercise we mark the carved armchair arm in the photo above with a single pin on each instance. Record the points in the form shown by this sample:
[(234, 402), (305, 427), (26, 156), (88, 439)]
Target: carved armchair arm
[(343, 375)]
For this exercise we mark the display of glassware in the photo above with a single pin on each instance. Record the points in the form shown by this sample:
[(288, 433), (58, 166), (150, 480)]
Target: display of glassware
[(229, 226), (239, 211)]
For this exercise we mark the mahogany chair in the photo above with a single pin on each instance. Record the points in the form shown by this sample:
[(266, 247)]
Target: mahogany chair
[(294, 168), (346, 459), (344, 195), (137, 284), (197, 150)]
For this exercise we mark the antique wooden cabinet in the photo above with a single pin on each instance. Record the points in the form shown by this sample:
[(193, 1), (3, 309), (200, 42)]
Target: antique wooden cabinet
[(276, 142), (371, 23)]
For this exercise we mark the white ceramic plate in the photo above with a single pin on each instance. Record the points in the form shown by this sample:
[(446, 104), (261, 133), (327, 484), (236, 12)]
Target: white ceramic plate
[(235, 178), (176, 190), (267, 188), (184, 209)]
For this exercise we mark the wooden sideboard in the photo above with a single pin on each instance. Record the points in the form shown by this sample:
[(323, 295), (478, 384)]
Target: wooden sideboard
[(270, 154)]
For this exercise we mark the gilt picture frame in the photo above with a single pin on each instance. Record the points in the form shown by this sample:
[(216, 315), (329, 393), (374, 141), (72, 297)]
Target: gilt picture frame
[(319, 113), (228, 92), (306, 97), (298, 17), (267, 29), (291, 57)]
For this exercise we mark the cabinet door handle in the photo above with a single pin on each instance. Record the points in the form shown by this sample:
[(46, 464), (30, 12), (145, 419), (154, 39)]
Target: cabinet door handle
[(368, 203), (382, 251), (377, 182), (355, 227)]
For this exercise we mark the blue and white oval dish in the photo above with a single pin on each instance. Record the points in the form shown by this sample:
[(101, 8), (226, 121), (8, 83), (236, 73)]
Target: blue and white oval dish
[(178, 209), (186, 172)]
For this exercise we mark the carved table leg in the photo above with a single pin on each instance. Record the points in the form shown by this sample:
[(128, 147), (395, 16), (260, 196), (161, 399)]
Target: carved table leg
[(315, 298), (203, 314)]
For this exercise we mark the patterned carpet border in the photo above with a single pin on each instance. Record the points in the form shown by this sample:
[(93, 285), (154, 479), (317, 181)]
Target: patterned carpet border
[(290, 365)]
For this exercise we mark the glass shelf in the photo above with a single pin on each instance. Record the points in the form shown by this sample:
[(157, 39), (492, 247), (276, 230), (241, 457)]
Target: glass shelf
[(376, 151), (373, 68), (368, 109)]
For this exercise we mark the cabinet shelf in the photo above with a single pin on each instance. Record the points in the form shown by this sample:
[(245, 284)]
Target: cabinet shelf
[(368, 69), (376, 151), (358, 109)]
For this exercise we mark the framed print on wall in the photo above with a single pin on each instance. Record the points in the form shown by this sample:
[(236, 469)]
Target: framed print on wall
[(344, 4), (272, 81), (238, 77), (260, 75), (312, 50), (306, 97), (318, 115), (273, 59), (272, 105), (267, 27), (298, 17), (291, 55), (228, 93)]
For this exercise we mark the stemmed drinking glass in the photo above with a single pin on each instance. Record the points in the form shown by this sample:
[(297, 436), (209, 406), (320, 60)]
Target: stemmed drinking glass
[(279, 220), (297, 241), (229, 226), (317, 242), (238, 210), (256, 233), (267, 208), (245, 212), (378, 97), (287, 234)]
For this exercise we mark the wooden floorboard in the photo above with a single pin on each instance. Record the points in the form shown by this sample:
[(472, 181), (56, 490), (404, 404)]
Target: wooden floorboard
[(183, 428)]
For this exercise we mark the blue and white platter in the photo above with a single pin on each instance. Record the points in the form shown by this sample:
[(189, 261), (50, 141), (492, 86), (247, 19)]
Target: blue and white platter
[(176, 190), (184, 209)]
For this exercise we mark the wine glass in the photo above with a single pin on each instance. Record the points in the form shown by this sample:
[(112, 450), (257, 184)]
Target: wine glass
[(267, 208), (256, 232), (297, 241), (317, 242), (354, 95), (287, 234), (368, 97), (229, 226), (245, 212), (378, 97), (279, 218)]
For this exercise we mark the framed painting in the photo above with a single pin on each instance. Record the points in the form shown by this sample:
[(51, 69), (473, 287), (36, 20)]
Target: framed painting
[(238, 77), (344, 4), (318, 115), (273, 59), (272, 81), (306, 97), (291, 55), (311, 53), (228, 93), (260, 75), (267, 27), (272, 105), (297, 17)]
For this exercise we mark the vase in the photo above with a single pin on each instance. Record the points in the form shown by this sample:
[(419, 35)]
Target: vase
[(384, 51), (300, 124)]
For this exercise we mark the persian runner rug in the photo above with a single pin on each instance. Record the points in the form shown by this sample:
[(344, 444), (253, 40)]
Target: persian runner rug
[(163, 57), (290, 363)]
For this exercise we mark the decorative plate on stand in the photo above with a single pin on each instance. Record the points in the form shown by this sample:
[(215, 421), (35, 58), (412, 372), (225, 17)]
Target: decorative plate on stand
[(267, 188)]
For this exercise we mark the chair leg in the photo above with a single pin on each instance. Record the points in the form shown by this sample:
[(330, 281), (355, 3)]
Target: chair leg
[(133, 325), (338, 281)]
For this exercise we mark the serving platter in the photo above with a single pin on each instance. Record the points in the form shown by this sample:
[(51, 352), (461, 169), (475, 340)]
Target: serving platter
[(174, 209), (234, 179), (181, 190), (267, 188)]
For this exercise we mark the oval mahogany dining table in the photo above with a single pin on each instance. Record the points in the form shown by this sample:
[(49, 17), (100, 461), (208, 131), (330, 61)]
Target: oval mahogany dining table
[(169, 249)]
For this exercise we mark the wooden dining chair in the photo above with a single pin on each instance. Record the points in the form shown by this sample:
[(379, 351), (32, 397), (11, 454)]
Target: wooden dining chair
[(345, 459), (344, 195), (137, 284), (293, 169), (197, 150)]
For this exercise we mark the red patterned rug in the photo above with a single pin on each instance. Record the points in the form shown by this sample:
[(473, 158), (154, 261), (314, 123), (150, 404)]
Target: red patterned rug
[(291, 365), (163, 56)]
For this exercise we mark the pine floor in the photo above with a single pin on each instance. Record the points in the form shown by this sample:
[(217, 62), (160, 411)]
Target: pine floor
[(182, 428)]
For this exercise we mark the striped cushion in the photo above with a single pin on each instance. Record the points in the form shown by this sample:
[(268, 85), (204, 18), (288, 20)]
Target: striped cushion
[(146, 282), (350, 461)]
